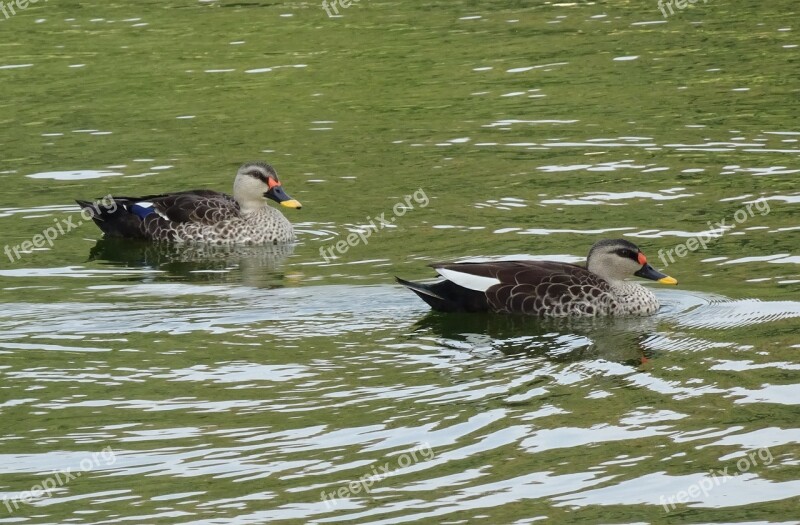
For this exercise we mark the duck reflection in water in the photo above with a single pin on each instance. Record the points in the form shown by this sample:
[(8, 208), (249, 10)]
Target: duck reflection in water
[(617, 339), (259, 266)]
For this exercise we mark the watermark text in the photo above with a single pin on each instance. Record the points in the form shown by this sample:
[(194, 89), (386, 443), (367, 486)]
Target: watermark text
[(364, 232), (61, 226), (59, 479), (680, 4), (10, 8), (423, 452), (715, 479), (715, 231), (333, 6)]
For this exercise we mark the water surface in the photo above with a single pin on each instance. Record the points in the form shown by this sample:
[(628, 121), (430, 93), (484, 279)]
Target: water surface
[(301, 384)]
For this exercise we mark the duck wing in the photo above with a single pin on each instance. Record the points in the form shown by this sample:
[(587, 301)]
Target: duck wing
[(532, 287), (197, 206), (155, 217)]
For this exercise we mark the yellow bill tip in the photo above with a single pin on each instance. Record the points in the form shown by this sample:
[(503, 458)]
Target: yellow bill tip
[(668, 280), (291, 203)]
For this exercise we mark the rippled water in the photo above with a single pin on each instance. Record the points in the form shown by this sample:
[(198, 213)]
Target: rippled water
[(254, 385)]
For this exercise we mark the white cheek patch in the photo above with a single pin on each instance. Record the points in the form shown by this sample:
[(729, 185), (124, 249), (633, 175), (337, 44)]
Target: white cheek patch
[(467, 280)]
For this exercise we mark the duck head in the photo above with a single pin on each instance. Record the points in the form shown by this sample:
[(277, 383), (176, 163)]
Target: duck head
[(618, 259), (255, 183)]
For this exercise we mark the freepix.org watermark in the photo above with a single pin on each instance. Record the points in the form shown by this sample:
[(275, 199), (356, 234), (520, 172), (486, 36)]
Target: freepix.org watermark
[(715, 479), (355, 238), (61, 227), (423, 452), (10, 8), (332, 5), (680, 4), (59, 479), (715, 231)]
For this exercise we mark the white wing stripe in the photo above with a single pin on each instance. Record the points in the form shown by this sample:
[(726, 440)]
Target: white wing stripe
[(467, 280)]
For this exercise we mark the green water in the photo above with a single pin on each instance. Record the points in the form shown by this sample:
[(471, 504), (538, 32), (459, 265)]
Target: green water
[(258, 385)]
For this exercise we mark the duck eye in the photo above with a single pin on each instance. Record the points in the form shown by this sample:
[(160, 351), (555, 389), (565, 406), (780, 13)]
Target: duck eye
[(258, 175)]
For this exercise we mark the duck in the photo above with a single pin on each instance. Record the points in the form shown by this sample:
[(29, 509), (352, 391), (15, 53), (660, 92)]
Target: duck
[(203, 216), (548, 288)]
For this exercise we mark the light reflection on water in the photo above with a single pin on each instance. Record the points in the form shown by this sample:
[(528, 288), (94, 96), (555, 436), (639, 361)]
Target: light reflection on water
[(289, 403), (238, 385), (306, 387)]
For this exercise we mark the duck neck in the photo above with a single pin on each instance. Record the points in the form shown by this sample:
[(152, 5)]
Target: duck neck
[(630, 289), (250, 206), (623, 286), (634, 298), (247, 193)]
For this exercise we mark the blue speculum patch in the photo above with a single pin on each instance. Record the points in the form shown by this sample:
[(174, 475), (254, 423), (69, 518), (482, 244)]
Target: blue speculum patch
[(143, 209)]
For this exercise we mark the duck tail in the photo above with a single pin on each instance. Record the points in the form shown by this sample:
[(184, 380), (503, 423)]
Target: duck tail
[(445, 296), (113, 217), (423, 290)]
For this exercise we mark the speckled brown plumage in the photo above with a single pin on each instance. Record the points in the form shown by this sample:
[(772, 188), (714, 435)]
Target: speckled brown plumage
[(544, 288), (203, 215), (216, 220)]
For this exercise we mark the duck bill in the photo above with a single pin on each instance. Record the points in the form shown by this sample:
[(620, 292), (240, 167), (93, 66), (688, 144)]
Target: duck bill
[(648, 272), (277, 194), (291, 203)]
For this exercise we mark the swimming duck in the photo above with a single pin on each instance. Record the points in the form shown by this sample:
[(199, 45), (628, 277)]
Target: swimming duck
[(548, 288), (203, 215)]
